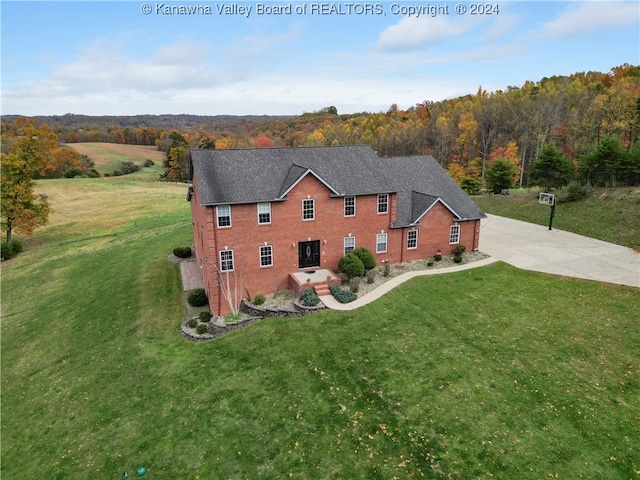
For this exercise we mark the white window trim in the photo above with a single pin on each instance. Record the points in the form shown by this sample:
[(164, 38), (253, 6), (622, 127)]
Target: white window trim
[(344, 244), (408, 239), (260, 255), (313, 209), (378, 204), (455, 228), (233, 262), (378, 243), (218, 216), (345, 206), (268, 204)]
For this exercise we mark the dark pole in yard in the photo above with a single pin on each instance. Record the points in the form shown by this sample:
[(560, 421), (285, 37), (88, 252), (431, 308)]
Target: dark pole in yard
[(553, 212)]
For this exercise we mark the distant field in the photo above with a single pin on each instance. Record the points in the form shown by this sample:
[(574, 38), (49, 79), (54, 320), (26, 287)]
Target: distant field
[(609, 214), (474, 375), (107, 156)]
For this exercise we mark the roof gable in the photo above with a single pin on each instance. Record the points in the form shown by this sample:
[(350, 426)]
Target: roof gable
[(295, 176)]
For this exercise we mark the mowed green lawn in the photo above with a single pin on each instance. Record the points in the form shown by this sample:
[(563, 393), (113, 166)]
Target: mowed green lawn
[(487, 373)]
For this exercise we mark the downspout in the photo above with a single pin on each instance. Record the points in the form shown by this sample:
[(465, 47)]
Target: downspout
[(475, 229), (402, 244), (215, 246)]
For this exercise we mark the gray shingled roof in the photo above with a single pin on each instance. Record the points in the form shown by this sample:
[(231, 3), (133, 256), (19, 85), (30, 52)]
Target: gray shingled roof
[(264, 175)]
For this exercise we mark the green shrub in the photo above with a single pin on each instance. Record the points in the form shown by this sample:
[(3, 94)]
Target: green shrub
[(470, 185), (73, 172), (437, 257), (193, 323), (575, 191), (367, 258), (457, 259), (259, 300), (205, 316), (309, 298), (343, 296), (116, 173), (459, 250), (197, 297), (202, 328), (429, 263), (148, 163), (182, 252), (128, 166), (351, 266), (10, 250)]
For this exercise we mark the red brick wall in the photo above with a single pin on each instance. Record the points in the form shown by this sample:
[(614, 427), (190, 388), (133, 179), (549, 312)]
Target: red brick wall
[(330, 227)]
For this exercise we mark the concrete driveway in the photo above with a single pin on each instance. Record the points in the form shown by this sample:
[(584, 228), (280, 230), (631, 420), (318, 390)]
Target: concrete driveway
[(535, 247)]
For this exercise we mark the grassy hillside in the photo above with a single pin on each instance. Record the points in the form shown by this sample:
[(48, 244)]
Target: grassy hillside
[(97, 380), (107, 156), (609, 214)]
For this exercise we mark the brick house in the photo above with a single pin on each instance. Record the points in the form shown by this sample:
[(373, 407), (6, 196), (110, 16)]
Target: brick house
[(260, 216)]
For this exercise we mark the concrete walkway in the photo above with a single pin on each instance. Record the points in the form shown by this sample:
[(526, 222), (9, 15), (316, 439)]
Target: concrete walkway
[(332, 303), (535, 247)]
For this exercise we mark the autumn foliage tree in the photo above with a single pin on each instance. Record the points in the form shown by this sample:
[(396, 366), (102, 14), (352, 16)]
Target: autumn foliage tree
[(29, 155)]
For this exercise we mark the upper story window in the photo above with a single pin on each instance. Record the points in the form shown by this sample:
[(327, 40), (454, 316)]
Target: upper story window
[(264, 213), (454, 234), (308, 209), (223, 212), (381, 243), (349, 244), (412, 239), (226, 260), (383, 203), (349, 206)]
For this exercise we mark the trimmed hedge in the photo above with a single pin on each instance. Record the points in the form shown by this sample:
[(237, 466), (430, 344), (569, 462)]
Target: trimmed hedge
[(197, 298), (182, 252), (366, 257), (351, 265), (343, 296)]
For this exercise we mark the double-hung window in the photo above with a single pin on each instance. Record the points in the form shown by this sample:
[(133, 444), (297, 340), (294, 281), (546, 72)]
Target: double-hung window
[(412, 239), (226, 260), (223, 212), (454, 234), (381, 243), (349, 244), (383, 203), (308, 209), (264, 213), (266, 256), (349, 206)]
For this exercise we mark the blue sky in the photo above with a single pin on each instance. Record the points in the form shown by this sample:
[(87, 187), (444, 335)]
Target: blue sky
[(110, 58)]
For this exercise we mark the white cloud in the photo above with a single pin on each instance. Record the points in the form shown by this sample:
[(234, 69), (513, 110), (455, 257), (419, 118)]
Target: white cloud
[(412, 33), (591, 16)]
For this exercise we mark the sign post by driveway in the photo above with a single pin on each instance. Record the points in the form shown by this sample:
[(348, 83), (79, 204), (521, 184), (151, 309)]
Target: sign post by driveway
[(548, 199)]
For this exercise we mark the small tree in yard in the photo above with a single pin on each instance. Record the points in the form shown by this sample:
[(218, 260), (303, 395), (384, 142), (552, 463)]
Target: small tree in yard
[(500, 174), (351, 266)]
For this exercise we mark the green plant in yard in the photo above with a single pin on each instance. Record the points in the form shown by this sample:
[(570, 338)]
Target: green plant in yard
[(197, 297), (10, 250), (309, 298), (182, 252), (351, 265), (202, 328), (259, 300), (459, 250), (365, 255), (205, 316), (343, 296), (437, 257), (457, 259), (193, 323)]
